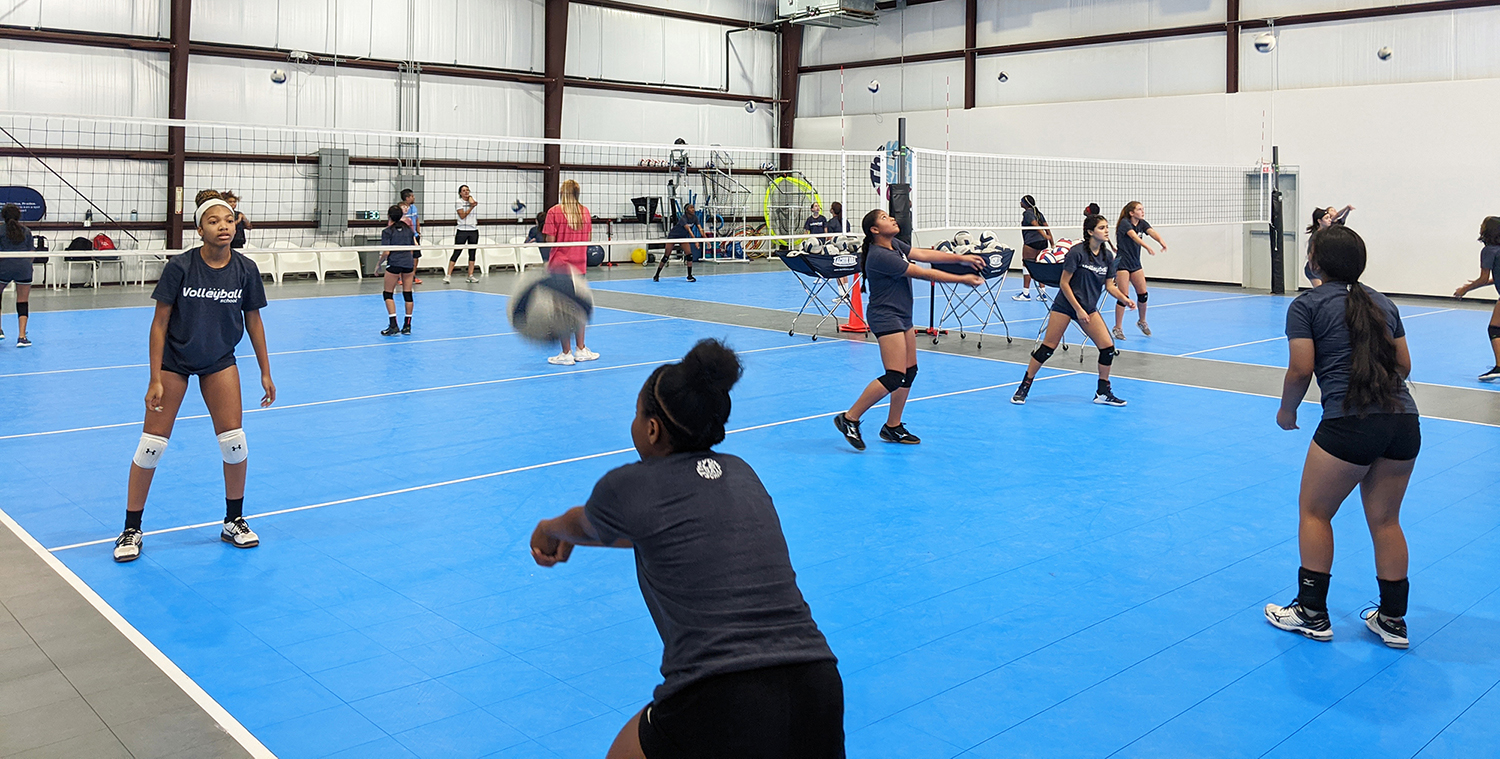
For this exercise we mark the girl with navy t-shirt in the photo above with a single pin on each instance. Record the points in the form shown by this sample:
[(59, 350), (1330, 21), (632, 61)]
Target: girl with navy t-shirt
[(886, 263), (1350, 337), (207, 299), (1088, 272), (1489, 258), (16, 238), (400, 268), (746, 672), (1130, 237)]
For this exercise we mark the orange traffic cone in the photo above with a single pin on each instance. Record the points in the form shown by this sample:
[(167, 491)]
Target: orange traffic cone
[(856, 309)]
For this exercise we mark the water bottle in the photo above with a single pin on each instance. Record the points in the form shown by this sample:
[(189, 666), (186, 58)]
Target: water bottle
[(88, 218), (134, 216)]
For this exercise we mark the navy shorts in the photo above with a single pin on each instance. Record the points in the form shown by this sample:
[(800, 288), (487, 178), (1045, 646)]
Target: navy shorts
[(1060, 305), (794, 711), (172, 363), (17, 270), (1397, 437), (1128, 262), (400, 269)]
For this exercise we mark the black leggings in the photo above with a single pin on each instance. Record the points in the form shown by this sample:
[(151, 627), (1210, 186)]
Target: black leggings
[(465, 237)]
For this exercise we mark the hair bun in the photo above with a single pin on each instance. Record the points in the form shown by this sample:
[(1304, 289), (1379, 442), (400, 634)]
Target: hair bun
[(712, 364), (206, 195)]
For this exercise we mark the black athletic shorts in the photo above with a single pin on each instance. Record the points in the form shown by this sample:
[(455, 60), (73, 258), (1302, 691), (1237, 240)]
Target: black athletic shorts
[(171, 363), (794, 711), (399, 269), (1378, 436)]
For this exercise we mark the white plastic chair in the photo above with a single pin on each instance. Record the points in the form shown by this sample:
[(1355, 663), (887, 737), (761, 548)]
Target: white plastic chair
[(526, 255), (143, 261), (265, 261), (338, 260), (492, 253), (295, 262)]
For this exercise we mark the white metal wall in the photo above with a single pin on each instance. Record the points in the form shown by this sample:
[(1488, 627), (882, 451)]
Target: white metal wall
[(149, 18), (1002, 22), (926, 28), (60, 79)]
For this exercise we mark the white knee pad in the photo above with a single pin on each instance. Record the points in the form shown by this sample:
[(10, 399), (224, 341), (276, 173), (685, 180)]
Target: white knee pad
[(149, 451), (232, 445)]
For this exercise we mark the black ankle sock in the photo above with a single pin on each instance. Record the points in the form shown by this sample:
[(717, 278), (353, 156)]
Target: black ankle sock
[(1312, 590), (1393, 596), (393, 321), (1104, 386), (234, 508), (133, 519), (408, 321)]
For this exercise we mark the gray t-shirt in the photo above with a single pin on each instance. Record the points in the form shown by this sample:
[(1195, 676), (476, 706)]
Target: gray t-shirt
[(712, 564), (1318, 315), (889, 309), (1489, 259)]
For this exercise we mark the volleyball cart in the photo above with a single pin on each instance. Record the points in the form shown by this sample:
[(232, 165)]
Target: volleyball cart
[(1050, 274), (819, 273), (966, 302)]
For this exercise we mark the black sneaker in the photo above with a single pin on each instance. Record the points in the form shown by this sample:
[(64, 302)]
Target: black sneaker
[(1489, 376), (406, 328), (128, 545), (1020, 397), (692, 278), (898, 434), (1105, 396), (391, 330), (1392, 630), (656, 278), (1294, 618), (23, 342), (850, 430)]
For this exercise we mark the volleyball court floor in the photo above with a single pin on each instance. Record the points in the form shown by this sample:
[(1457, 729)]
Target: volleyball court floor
[(1058, 579)]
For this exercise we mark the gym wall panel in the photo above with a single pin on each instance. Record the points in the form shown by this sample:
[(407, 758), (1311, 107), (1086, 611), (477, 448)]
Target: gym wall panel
[(913, 87), (1475, 52), (1278, 8), (149, 18), (1425, 49), (1104, 72), (610, 117), (466, 106), (1004, 22), (604, 43), (926, 28), (43, 78), (230, 90)]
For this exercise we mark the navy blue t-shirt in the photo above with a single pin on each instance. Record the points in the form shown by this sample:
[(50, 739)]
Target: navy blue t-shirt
[(16, 269), (817, 224), (399, 234), (1130, 250), (1489, 260), (712, 564), (1032, 238), (889, 308), (208, 309), (1318, 315), (835, 224), (1090, 273)]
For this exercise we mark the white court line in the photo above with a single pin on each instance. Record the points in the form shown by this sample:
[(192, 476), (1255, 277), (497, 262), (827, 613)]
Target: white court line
[(225, 721), (1236, 345), (387, 343), (532, 467), (410, 391)]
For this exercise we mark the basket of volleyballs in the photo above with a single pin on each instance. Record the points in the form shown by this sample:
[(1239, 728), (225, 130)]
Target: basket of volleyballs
[(547, 307), (1057, 252)]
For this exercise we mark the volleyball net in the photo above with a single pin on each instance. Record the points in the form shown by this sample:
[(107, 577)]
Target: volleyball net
[(309, 188)]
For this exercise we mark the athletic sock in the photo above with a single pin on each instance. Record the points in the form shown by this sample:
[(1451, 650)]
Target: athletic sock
[(1103, 386), (1393, 595), (133, 519), (1312, 590), (393, 322), (234, 508), (408, 321)]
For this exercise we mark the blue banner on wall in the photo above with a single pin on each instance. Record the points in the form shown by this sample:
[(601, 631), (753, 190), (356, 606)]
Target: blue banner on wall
[(33, 207)]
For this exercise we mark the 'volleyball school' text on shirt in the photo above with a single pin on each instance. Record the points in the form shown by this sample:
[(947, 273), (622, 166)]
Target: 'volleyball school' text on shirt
[(218, 295)]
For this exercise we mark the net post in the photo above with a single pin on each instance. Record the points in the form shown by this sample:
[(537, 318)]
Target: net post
[(1278, 253)]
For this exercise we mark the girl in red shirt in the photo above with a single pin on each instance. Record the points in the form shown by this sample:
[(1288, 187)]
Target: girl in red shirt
[(569, 222)]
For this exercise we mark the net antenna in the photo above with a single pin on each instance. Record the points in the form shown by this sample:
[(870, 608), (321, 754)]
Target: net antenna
[(70, 185)]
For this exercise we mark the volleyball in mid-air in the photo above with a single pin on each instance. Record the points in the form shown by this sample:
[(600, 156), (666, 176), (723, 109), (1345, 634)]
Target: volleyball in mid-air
[(278, 76), (874, 86), (547, 307)]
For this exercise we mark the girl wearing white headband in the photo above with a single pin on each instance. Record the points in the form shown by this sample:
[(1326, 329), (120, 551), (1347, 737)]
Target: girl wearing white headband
[(206, 300)]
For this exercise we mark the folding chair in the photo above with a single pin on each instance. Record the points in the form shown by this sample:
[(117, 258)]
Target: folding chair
[(818, 272), (965, 302), (1050, 274)]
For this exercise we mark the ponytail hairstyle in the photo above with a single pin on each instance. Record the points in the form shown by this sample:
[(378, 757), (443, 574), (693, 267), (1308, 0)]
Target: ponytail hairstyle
[(1089, 222), (394, 213), (1374, 380), (864, 249), (691, 397), (1029, 203), (1317, 216), (1091, 209), (567, 197), (14, 232), (1489, 230), (1127, 210)]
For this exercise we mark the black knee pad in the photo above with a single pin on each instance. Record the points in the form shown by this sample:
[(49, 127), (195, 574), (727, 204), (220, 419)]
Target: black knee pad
[(390, 294), (891, 380), (406, 294), (24, 309), (1107, 356), (1042, 353), (1141, 298), (911, 374), (1494, 330)]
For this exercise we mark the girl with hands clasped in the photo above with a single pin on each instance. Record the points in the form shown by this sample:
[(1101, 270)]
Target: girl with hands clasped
[(1351, 338), (886, 263), (1489, 258), (747, 673), (1088, 271), (207, 299)]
